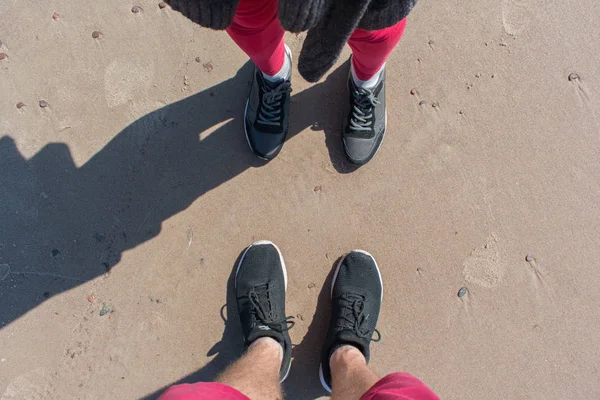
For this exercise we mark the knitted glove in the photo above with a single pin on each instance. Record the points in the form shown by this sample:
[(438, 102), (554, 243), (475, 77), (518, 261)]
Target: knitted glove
[(301, 15), (214, 14)]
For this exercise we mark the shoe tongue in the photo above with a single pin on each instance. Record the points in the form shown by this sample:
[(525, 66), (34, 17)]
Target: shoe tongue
[(273, 84), (264, 331)]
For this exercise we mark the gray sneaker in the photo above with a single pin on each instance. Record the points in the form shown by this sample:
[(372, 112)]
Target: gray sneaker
[(365, 122), (267, 112)]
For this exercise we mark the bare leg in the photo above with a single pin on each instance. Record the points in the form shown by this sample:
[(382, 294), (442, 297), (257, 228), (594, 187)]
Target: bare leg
[(350, 375), (256, 374)]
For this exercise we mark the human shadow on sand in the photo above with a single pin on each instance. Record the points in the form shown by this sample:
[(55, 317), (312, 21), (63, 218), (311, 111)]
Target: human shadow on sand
[(63, 225)]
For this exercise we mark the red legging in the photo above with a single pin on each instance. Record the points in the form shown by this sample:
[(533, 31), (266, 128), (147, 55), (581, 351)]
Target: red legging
[(257, 31)]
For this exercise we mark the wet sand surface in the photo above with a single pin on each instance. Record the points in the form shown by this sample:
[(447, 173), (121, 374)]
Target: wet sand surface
[(127, 190)]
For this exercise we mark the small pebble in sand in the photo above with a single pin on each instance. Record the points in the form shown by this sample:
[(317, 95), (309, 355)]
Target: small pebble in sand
[(55, 16), (105, 310), (2, 56), (413, 91), (311, 285), (529, 257), (573, 77), (20, 105), (422, 102), (55, 252), (91, 298), (162, 5), (136, 9), (462, 291), (435, 105), (96, 34), (317, 188), (419, 271), (208, 67), (43, 103), (198, 60), (461, 112), (477, 75)]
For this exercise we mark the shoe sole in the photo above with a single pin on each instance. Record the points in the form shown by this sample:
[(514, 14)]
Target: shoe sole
[(289, 52), (337, 269), (266, 242)]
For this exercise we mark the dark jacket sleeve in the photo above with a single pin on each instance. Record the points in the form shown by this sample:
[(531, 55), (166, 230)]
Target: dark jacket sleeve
[(214, 14), (301, 15), (385, 13)]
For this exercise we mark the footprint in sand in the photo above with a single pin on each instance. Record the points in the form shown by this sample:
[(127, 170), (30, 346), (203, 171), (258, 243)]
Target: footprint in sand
[(582, 90), (483, 266), (516, 15), (32, 385)]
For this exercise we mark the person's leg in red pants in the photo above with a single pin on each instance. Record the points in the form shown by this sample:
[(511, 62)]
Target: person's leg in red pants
[(257, 31), (370, 49), (365, 122)]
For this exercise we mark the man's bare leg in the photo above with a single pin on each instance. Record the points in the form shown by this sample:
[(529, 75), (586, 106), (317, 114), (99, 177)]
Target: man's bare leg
[(350, 375), (256, 374), (260, 284), (356, 293)]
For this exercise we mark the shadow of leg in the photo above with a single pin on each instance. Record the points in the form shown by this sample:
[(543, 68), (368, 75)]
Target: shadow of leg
[(227, 350), (303, 381)]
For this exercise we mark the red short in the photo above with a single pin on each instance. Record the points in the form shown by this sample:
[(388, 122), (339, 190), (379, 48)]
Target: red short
[(391, 387)]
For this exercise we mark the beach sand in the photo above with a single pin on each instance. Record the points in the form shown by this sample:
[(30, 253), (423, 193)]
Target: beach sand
[(133, 191)]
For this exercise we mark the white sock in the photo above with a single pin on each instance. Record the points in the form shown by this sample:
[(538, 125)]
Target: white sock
[(369, 83), (285, 69)]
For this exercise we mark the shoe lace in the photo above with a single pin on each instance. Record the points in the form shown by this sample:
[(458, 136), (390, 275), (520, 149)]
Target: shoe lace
[(361, 117), (355, 320), (261, 309), (270, 113)]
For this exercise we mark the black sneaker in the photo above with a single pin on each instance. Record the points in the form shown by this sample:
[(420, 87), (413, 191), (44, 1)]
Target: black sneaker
[(356, 293), (266, 118), (365, 122), (260, 284)]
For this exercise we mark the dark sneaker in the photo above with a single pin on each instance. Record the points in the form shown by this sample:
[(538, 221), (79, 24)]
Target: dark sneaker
[(260, 284), (365, 121), (356, 293), (267, 113)]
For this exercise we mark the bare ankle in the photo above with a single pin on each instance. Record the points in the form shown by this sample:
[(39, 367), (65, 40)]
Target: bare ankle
[(267, 344), (346, 355)]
